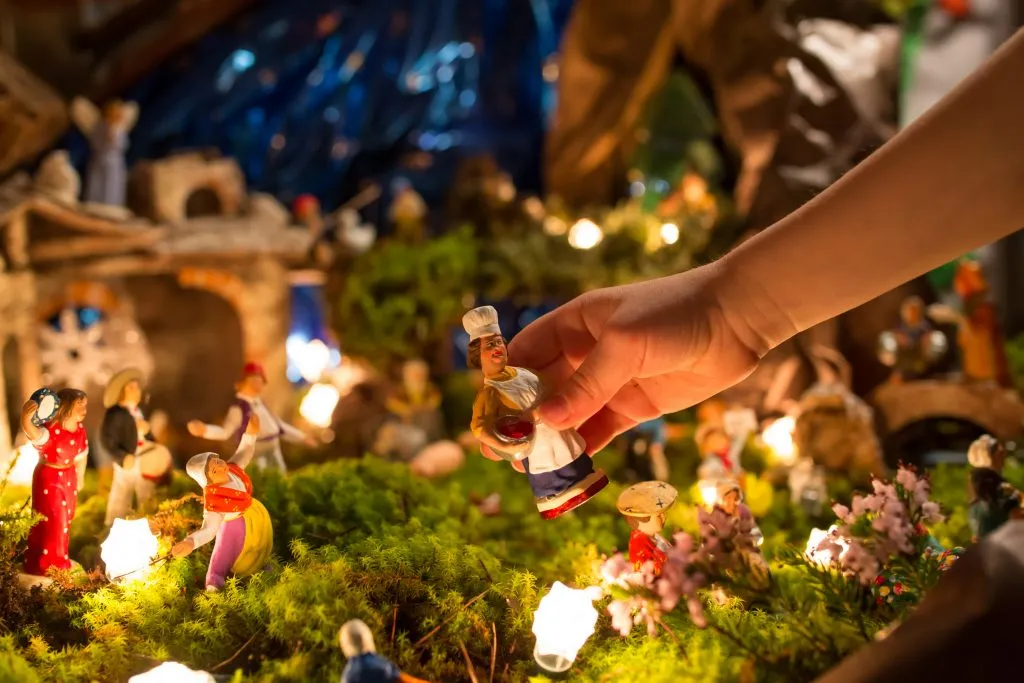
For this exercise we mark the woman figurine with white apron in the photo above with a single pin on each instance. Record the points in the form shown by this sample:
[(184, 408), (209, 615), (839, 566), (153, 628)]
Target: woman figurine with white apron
[(561, 474)]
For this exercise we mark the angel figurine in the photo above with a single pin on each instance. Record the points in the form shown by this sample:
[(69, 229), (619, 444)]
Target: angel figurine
[(561, 474), (106, 178)]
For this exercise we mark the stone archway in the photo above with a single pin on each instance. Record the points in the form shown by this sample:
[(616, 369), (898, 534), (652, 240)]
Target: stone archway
[(203, 201), (996, 410)]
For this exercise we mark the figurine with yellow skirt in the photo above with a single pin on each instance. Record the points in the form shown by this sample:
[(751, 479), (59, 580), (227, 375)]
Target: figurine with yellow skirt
[(238, 524)]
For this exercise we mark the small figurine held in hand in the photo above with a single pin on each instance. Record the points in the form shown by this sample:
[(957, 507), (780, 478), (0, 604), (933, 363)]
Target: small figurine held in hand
[(561, 474), (364, 664), (644, 506), (53, 424), (239, 523)]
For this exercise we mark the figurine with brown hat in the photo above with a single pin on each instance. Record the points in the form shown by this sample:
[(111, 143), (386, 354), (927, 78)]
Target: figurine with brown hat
[(140, 464), (644, 506), (561, 473)]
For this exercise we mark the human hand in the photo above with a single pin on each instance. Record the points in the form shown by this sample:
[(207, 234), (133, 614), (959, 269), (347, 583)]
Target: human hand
[(197, 428), (182, 548), (619, 356)]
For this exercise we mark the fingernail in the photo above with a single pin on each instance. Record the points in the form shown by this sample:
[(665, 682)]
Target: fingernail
[(556, 410)]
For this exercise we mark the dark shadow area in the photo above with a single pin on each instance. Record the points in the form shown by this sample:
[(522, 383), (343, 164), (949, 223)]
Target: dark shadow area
[(928, 442)]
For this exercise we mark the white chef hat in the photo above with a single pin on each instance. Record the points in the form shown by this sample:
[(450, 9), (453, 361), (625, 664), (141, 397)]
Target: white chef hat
[(196, 467), (356, 638), (481, 322)]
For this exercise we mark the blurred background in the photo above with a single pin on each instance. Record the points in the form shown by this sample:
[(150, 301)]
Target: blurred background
[(326, 186)]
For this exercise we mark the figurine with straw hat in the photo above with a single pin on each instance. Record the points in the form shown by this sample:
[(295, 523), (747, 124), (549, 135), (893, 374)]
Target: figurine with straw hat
[(561, 474), (139, 463), (644, 506)]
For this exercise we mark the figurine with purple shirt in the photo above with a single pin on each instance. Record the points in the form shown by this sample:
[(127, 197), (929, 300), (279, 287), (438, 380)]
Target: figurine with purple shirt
[(364, 664), (645, 451), (106, 178)]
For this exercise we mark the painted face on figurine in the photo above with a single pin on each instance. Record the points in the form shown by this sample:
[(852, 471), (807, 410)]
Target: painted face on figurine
[(251, 385), (217, 473), (912, 311), (493, 355), (730, 502), (651, 525), (132, 393), (415, 374), (114, 113), (715, 441)]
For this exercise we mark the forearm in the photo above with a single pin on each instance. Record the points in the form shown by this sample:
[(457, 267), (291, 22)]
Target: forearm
[(212, 521), (224, 431), (246, 449), (291, 432), (946, 185)]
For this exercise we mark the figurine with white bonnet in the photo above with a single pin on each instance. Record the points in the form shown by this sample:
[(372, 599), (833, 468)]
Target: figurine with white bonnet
[(237, 523), (364, 664), (561, 473)]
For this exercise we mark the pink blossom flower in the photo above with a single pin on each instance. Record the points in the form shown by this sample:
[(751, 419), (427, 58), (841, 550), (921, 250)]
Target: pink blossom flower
[(842, 512), (930, 513)]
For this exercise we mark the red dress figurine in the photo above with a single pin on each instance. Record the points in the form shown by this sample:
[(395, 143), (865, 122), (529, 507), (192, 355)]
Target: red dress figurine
[(62, 445), (644, 506)]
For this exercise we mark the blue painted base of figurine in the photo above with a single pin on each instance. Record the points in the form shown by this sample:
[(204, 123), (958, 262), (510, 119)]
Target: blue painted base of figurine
[(570, 499)]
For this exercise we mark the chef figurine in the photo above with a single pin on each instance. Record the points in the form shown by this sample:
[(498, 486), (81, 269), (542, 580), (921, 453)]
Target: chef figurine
[(561, 474), (63, 446), (139, 463), (644, 506), (986, 451), (248, 404), (238, 524), (364, 664)]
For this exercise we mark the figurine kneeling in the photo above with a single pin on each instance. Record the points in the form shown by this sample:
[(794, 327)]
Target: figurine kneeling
[(239, 523)]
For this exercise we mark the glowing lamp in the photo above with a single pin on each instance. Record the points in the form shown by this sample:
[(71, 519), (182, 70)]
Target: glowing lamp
[(585, 234), (129, 550), (708, 492), (318, 404), (669, 233), (824, 558), (310, 358), (563, 622), (172, 672), (778, 436), (24, 460)]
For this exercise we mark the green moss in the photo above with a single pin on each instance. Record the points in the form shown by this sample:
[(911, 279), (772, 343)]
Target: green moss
[(417, 562)]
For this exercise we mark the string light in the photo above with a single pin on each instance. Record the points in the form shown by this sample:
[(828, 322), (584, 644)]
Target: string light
[(585, 234), (669, 233)]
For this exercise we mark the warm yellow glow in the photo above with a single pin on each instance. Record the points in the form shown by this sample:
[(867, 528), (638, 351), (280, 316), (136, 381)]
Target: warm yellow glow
[(823, 557), (669, 233), (347, 375), (585, 234), (310, 358), (318, 404), (708, 492), (564, 620), (778, 436), (129, 550), (172, 672), (24, 468), (554, 226)]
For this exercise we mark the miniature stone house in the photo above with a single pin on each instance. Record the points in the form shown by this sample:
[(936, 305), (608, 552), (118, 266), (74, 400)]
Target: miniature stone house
[(186, 186), (84, 296)]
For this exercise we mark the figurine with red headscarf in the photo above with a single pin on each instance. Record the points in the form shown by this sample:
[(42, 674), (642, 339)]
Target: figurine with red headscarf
[(248, 403)]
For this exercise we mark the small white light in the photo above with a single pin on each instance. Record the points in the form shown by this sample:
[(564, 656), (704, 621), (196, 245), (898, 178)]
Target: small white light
[(318, 404), (669, 233), (585, 234), (708, 492), (129, 550), (824, 558), (24, 468), (564, 620), (172, 672), (778, 437)]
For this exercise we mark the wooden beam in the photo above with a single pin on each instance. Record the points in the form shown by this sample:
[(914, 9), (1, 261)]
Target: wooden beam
[(81, 247), (77, 220)]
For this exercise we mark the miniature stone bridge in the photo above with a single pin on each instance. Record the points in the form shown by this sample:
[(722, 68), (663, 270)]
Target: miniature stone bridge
[(997, 410)]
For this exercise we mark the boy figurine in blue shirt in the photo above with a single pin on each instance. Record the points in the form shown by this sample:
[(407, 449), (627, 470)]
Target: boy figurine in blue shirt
[(364, 664), (645, 451)]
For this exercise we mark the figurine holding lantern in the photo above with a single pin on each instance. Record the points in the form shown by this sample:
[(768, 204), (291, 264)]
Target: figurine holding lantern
[(53, 424), (561, 474), (238, 524)]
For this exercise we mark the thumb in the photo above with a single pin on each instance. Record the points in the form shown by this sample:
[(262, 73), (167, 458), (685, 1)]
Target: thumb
[(605, 370)]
